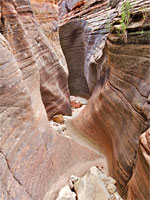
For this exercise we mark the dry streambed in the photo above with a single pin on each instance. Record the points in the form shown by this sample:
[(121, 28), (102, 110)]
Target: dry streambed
[(59, 122), (95, 184)]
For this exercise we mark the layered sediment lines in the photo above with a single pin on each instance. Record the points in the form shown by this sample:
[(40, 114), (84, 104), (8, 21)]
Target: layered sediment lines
[(35, 162), (32, 156), (139, 188), (72, 42), (36, 58), (118, 111), (46, 14)]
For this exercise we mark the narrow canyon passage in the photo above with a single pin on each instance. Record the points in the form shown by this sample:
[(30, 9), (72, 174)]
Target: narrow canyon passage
[(64, 127), (74, 93), (116, 71)]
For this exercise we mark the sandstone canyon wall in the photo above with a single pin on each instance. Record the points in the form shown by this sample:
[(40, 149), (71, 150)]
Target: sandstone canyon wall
[(140, 189), (32, 156), (35, 161), (36, 57), (117, 71)]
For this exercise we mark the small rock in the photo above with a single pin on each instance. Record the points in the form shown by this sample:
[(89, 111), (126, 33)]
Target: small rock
[(59, 130), (112, 197), (72, 181), (111, 188), (82, 100), (117, 196), (75, 104), (63, 127), (74, 178), (66, 194), (58, 119), (107, 179)]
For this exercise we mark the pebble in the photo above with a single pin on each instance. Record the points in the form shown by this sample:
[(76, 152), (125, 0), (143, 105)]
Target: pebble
[(118, 197), (111, 188), (81, 100), (72, 181), (63, 127), (60, 129)]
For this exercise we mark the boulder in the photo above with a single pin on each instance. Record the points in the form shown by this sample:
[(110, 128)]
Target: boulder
[(91, 187), (66, 194)]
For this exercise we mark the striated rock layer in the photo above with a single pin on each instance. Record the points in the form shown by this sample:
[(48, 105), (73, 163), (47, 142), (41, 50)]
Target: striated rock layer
[(140, 181), (32, 156), (84, 41), (47, 14), (36, 58), (117, 71), (72, 42)]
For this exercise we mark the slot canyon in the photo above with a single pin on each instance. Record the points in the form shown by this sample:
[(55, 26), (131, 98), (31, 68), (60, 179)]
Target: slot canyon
[(74, 99)]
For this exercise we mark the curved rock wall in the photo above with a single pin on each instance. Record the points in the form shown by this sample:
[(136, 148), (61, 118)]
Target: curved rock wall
[(36, 58), (46, 14), (72, 42), (84, 41), (35, 162), (140, 181), (22, 138), (32, 156), (118, 111)]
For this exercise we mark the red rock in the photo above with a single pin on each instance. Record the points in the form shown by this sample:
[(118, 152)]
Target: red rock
[(75, 104), (138, 186), (32, 156), (58, 119), (78, 4)]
